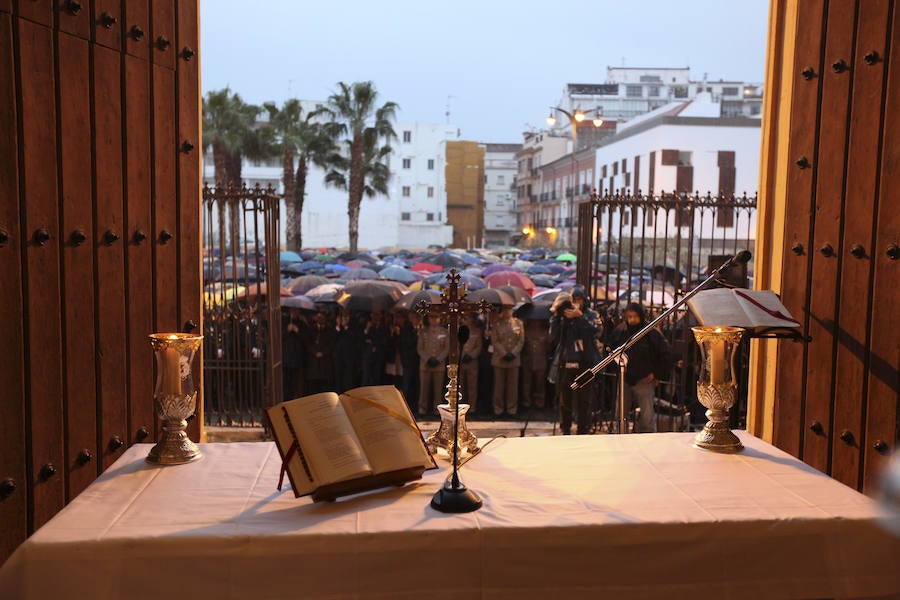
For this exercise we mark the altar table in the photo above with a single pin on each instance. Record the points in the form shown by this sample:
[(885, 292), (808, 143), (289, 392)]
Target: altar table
[(631, 516)]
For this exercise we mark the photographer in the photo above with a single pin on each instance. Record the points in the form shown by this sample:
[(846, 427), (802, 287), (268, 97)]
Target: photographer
[(573, 328)]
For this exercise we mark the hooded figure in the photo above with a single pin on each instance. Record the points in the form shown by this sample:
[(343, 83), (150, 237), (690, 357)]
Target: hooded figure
[(649, 360)]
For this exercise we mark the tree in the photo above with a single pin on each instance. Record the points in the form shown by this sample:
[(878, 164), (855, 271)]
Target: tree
[(229, 127), (364, 133), (293, 134)]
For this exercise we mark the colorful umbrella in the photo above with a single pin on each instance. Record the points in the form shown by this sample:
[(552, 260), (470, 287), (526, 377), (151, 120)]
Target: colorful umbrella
[(567, 257), (325, 292), (401, 274), (513, 278), (426, 267)]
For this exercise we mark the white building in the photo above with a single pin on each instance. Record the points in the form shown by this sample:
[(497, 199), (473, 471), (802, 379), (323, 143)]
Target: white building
[(412, 214), (683, 147), (629, 92), (500, 168)]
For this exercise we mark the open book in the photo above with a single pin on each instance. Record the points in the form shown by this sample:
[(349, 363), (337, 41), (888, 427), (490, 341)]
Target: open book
[(334, 445), (755, 310)]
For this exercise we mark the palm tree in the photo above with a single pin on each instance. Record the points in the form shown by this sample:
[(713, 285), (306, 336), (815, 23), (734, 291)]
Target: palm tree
[(294, 134), (360, 165), (229, 127)]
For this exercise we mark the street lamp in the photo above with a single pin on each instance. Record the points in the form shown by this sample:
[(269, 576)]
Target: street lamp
[(575, 118)]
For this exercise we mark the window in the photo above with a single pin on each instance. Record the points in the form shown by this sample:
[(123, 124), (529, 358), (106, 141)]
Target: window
[(684, 158), (729, 91), (680, 91), (404, 216), (500, 180), (407, 136), (626, 218), (430, 192), (407, 163), (429, 217), (431, 164), (653, 91), (634, 91), (406, 191)]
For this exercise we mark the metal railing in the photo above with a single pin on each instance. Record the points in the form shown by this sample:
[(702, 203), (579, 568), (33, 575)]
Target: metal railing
[(652, 249), (241, 318)]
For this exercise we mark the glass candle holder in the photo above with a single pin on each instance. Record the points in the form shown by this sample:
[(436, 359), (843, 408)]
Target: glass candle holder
[(717, 386), (175, 396)]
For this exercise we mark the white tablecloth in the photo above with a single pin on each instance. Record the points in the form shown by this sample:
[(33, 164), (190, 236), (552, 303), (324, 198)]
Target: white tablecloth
[(633, 516)]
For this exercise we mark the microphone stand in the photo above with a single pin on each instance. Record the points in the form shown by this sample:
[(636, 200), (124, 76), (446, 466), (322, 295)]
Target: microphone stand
[(618, 355)]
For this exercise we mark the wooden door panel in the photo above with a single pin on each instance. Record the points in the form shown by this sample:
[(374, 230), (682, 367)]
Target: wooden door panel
[(13, 505), (883, 394), (831, 165), (856, 261), (164, 33), (139, 248), (189, 166), (789, 422), (78, 262), (164, 205), (74, 17), (41, 272), (39, 11), (107, 23), (109, 240), (137, 27)]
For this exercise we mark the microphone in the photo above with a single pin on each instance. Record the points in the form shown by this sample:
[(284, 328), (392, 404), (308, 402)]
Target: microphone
[(742, 257)]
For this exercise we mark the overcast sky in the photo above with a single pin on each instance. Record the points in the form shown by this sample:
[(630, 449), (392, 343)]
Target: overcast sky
[(499, 63)]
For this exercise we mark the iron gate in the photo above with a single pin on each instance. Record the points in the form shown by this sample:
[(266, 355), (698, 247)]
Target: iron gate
[(241, 312), (652, 250)]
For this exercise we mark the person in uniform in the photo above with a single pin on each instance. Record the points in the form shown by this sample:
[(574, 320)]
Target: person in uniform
[(468, 362), (433, 347), (507, 339)]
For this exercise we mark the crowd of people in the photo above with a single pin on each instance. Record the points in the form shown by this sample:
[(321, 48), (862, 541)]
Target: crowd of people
[(507, 365)]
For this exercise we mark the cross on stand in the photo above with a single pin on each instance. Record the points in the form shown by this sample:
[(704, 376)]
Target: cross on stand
[(451, 308)]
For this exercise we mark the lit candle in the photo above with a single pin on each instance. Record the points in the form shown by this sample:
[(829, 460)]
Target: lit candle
[(172, 377), (717, 361)]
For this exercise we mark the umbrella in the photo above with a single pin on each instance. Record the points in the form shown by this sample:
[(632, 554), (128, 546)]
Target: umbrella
[(543, 281), (494, 296), (445, 259), (521, 265), (260, 289), (539, 309), (409, 300), (302, 268), (308, 254), (518, 294), (304, 283), (440, 280), (368, 295), (325, 258), (513, 278), (325, 292), (667, 272), (567, 257), (538, 270), (336, 268), (352, 274), (217, 293), (401, 274), (302, 302), (426, 267), (288, 256), (496, 268)]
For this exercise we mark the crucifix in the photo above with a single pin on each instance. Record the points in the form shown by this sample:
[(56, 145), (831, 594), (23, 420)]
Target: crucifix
[(453, 306)]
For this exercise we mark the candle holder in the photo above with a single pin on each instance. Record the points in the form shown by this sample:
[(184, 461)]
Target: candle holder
[(443, 437), (717, 385), (175, 396)]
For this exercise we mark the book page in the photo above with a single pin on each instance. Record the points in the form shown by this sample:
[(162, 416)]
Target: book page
[(327, 438), (718, 307), (387, 429), (755, 303), (301, 480)]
